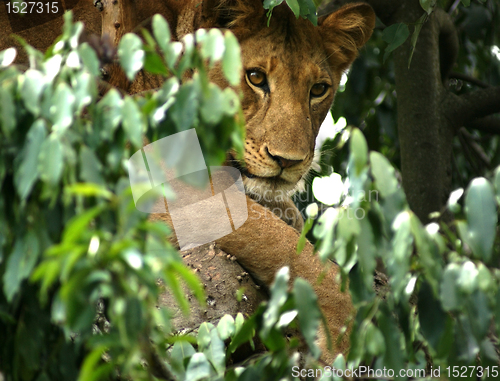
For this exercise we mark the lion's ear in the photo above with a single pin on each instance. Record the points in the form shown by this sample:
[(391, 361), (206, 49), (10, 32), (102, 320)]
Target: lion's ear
[(345, 31), (231, 14)]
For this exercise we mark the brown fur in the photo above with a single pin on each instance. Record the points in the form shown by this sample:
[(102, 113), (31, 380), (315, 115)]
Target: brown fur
[(282, 123)]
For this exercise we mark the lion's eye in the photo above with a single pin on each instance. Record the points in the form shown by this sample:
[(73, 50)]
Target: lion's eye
[(319, 89), (257, 78)]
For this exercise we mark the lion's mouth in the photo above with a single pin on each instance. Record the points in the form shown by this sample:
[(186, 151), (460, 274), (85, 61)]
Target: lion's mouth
[(243, 170)]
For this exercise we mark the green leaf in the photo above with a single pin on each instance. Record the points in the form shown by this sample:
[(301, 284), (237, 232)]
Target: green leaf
[(431, 316), (485, 278), (428, 5), (131, 55), (366, 252), (110, 113), (7, 56), (26, 175), (497, 183), (395, 35), (212, 107), (90, 167), (375, 343), (449, 293), (416, 31), (191, 280), (226, 327), (216, 353), (198, 367), (154, 64), (180, 351), (306, 303), (479, 314), (270, 4), (231, 61), (481, 212), (244, 332), (90, 365), (133, 318), (468, 277), (466, 344), (359, 151), (231, 102), (384, 174), (183, 111), (294, 6), (62, 107), (393, 356), (88, 190), (132, 121), (172, 53), (279, 292), (50, 160), (89, 59), (213, 46), (20, 263), (465, 2), (308, 10), (85, 90), (161, 31), (302, 239), (176, 289), (79, 223), (33, 84), (7, 111)]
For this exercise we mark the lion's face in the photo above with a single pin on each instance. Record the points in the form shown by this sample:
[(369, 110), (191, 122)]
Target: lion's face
[(291, 71), (288, 88)]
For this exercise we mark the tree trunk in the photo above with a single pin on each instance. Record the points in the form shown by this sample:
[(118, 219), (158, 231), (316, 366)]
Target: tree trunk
[(425, 134)]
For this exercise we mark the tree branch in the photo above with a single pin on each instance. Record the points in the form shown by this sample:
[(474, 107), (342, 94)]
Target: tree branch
[(469, 79), (480, 103), (489, 125), (448, 42), (476, 149), (466, 109)]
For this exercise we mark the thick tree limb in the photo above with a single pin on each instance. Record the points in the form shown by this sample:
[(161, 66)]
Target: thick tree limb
[(448, 42), (462, 110), (425, 135), (480, 103)]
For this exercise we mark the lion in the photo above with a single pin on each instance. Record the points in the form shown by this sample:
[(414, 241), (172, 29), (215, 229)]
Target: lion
[(291, 71)]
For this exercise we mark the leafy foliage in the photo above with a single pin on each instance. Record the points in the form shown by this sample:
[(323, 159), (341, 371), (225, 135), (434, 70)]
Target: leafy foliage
[(71, 240), (79, 264), (438, 302)]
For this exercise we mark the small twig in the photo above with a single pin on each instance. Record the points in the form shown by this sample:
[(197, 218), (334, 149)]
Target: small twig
[(469, 79), (476, 148), (453, 7), (467, 152)]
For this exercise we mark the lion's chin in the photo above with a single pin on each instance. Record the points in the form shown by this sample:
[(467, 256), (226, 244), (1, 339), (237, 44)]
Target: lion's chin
[(270, 187)]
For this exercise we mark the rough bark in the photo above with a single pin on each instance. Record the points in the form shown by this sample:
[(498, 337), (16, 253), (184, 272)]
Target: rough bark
[(425, 134)]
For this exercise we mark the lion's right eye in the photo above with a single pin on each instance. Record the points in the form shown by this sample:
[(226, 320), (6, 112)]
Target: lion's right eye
[(256, 78)]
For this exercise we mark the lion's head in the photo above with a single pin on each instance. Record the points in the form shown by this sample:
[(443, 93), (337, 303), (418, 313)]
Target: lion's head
[(291, 71)]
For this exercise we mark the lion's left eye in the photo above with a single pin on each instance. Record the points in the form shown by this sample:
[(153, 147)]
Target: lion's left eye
[(319, 89)]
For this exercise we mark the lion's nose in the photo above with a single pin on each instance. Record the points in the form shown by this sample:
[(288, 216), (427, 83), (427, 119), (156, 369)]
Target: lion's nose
[(282, 162)]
